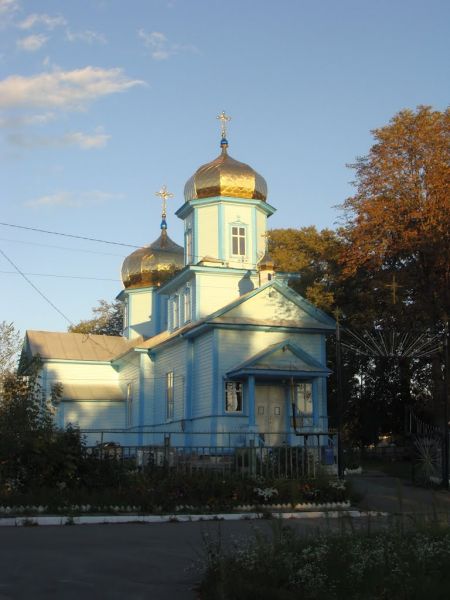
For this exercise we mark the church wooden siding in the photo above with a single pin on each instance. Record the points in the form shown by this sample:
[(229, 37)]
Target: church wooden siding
[(217, 289), (171, 359), (203, 375), (95, 414), (128, 373), (235, 347)]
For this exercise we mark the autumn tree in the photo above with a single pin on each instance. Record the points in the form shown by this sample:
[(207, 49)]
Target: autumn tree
[(396, 253), (314, 256), (398, 222), (107, 320)]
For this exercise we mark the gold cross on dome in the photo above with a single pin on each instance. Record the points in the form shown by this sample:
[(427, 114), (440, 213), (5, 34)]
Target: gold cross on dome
[(164, 194), (223, 118)]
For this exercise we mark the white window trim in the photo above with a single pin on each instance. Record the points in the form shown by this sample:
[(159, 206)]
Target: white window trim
[(238, 392), (187, 294), (189, 247), (244, 226), (129, 406), (306, 417), (170, 395)]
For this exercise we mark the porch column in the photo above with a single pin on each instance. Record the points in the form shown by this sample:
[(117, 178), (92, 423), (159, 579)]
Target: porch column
[(251, 401)]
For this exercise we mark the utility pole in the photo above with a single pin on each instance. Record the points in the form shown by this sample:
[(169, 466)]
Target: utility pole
[(340, 455), (445, 462)]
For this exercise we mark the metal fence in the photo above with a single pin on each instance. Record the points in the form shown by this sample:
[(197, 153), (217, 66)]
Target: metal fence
[(314, 454)]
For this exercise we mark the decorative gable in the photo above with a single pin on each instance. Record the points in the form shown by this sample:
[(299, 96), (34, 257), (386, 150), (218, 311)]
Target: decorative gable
[(274, 305), (284, 358)]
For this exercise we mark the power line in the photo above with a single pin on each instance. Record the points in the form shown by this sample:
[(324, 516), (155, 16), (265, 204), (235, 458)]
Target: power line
[(35, 288), (70, 235), (60, 276), (60, 247)]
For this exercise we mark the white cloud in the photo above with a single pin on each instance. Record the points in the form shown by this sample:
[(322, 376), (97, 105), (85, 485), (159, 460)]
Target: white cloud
[(64, 90), (73, 199), (14, 121), (85, 141), (58, 199), (45, 20), (8, 6), (87, 36), (32, 43), (160, 47)]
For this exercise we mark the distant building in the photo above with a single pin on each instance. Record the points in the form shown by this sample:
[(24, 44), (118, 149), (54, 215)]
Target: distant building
[(216, 349)]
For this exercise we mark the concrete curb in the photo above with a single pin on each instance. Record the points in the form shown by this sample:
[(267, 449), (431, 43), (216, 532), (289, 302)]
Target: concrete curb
[(176, 518)]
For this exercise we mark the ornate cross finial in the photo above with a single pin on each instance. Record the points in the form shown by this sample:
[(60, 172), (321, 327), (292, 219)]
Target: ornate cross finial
[(337, 314), (223, 118), (164, 194), (394, 287)]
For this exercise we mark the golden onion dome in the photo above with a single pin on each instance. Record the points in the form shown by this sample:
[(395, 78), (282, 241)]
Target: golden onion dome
[(153, 265), (225, 176)]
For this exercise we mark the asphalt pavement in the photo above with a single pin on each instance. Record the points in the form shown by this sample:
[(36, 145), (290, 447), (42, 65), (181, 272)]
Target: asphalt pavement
[(161, 561)]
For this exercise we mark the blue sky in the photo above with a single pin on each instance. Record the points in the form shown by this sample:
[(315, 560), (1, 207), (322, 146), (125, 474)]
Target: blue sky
[(104, 101)]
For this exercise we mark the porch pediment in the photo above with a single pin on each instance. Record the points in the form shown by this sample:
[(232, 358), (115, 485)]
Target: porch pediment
[(284, 359)]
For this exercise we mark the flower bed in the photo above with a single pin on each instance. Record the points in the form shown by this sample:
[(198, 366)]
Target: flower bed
[(412, 565), (177, 492)]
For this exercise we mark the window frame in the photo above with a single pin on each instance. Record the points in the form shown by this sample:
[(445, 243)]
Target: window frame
[(304, 395), (188, 245), (238, 391), (187, 304), (170, 395), (239, 237), (129, 406)]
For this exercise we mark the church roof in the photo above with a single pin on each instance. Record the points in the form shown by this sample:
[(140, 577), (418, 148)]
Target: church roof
[(224, 176), (75, 346)]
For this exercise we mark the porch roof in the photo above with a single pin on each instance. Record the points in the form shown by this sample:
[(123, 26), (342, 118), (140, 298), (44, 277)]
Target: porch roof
[(280, 361)]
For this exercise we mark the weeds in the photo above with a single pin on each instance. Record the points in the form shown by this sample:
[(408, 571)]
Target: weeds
[(408, 561)]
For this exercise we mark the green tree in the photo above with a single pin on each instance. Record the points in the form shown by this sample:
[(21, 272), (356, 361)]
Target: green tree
[(107, 320)]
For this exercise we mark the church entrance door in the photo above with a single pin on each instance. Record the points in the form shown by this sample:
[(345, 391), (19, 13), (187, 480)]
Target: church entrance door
[(270, 409)]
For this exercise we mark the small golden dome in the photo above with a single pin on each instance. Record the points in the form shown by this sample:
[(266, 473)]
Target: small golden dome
[(227, 177), (153, 265)]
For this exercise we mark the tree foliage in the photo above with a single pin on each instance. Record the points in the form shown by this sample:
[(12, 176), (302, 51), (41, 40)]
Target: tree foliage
[(398, 222), (10, 342), (107, 320), (314, 256)]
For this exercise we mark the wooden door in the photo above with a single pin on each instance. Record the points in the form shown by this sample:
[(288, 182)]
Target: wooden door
[(270, 411)]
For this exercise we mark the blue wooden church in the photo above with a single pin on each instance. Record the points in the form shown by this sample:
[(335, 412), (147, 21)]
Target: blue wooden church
[(217, 349)]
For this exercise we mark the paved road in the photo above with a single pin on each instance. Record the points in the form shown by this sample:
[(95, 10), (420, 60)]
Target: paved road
[(132, 562), (155, 561), (383, 493)]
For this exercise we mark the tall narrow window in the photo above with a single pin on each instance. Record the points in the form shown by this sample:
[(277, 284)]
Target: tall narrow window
[(233, 396), (238, 240), (129, 407), (304, 402), (126, 309), (187, 304), (169, 395), (188, 246), (175, 308)]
